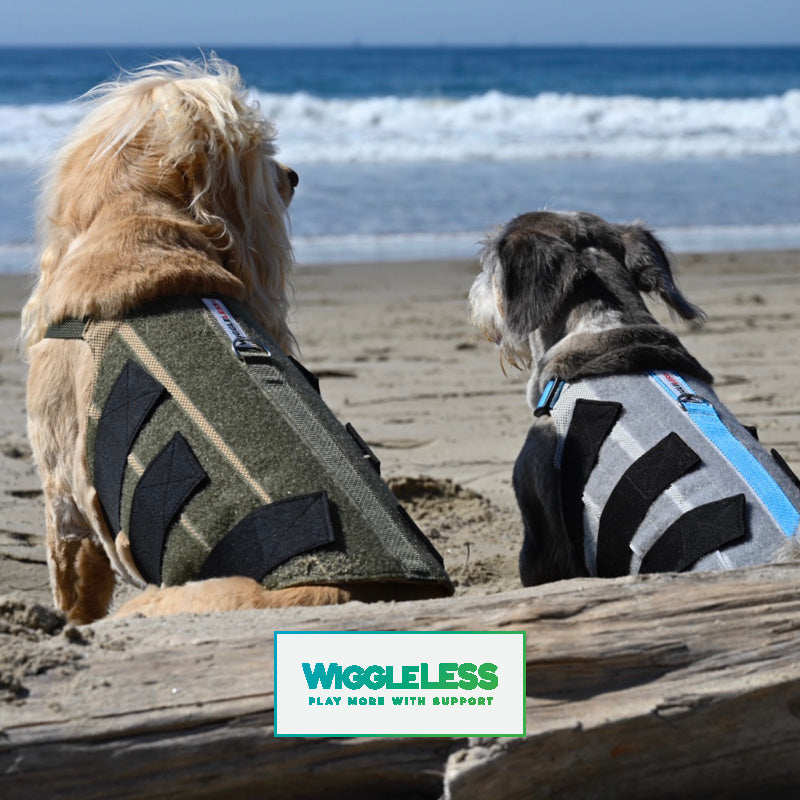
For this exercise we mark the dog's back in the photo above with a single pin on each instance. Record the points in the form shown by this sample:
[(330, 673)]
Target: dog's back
[(657, 475), (213, 455)]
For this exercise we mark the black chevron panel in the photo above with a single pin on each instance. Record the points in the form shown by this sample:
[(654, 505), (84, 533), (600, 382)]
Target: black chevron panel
[(129, 404), (633, 495), (592, 421), (697, 533), (165, 486), (271, 535)]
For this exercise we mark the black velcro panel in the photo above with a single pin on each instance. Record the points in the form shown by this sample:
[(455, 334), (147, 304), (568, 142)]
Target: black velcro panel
[(270, 535), (697, 533), (592, 421), (129, 404), (307, 374), (633, 495), (365, 448), (781, 462), (166, 485)]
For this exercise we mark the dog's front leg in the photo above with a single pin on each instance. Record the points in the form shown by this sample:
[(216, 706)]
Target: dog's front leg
[(80, 573), (547, 553), (59, 392)]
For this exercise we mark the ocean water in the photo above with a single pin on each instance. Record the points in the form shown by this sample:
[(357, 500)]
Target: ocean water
[(415, 152)]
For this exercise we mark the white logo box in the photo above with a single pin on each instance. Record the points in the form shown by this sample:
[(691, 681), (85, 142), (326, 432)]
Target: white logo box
[(406, 683)]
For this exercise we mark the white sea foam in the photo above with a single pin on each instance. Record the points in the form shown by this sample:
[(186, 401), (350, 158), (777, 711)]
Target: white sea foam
[(497, 126), (492, 126), (29, 133)]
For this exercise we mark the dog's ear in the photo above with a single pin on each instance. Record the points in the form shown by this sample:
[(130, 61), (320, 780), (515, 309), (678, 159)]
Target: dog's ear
[(537, 271), (647, 261)]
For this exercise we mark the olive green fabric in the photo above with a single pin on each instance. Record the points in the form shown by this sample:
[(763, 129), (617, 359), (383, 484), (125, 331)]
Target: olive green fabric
[(262, 434)]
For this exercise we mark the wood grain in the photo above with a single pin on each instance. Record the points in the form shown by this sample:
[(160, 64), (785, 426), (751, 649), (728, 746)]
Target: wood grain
[(649, 686)]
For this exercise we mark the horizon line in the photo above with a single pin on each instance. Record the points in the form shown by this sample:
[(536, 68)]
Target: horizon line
[(356, 45)]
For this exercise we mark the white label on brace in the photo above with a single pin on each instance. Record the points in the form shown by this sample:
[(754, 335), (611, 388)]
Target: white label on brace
[(224, 318)]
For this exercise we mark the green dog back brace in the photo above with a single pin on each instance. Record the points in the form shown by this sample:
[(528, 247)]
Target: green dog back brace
[(215, 455)]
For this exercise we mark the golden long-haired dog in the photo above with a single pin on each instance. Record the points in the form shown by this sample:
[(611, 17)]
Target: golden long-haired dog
[(167, 188)]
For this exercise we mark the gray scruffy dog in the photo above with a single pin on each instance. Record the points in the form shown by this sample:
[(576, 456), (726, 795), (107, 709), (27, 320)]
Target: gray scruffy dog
[(632, 464)]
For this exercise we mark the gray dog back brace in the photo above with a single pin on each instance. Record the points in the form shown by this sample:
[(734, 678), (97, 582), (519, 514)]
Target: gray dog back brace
[(215, 455), (657, 475)]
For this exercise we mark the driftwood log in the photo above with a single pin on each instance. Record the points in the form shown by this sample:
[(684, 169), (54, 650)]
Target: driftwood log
[(660, 686)]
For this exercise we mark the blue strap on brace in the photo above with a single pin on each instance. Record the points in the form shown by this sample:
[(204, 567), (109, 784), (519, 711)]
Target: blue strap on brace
[(551, 393), (704, 416)]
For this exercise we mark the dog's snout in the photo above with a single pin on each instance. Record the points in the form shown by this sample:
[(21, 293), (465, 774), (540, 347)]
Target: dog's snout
[(287, 182)]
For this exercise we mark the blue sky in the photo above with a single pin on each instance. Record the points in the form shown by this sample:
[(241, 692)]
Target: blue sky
[(344, 22)]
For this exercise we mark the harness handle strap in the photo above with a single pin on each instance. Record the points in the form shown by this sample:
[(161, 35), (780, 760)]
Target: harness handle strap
[(68, 329)]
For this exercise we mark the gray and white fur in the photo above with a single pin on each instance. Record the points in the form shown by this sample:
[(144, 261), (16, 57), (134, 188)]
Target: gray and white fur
[(560, 293)]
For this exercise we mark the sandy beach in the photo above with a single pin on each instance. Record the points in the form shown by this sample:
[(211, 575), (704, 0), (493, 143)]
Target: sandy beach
[(615, 666), (397, 358)]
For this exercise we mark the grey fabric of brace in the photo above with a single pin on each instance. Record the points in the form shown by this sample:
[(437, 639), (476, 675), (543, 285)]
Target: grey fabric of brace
[(648, 416)]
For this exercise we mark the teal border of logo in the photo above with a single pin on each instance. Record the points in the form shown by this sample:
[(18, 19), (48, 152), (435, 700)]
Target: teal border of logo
[(394, 735)]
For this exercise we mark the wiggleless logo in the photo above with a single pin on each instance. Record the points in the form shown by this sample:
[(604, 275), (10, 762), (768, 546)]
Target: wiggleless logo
[(449, 675)]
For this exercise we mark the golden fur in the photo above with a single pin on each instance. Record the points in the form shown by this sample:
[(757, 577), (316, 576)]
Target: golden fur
[(167, 187)]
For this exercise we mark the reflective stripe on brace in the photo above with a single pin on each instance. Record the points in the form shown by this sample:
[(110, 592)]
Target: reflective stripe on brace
[(704, 416)]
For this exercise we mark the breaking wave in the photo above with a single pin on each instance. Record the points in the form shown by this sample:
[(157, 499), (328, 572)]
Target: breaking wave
[(491, 126)]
